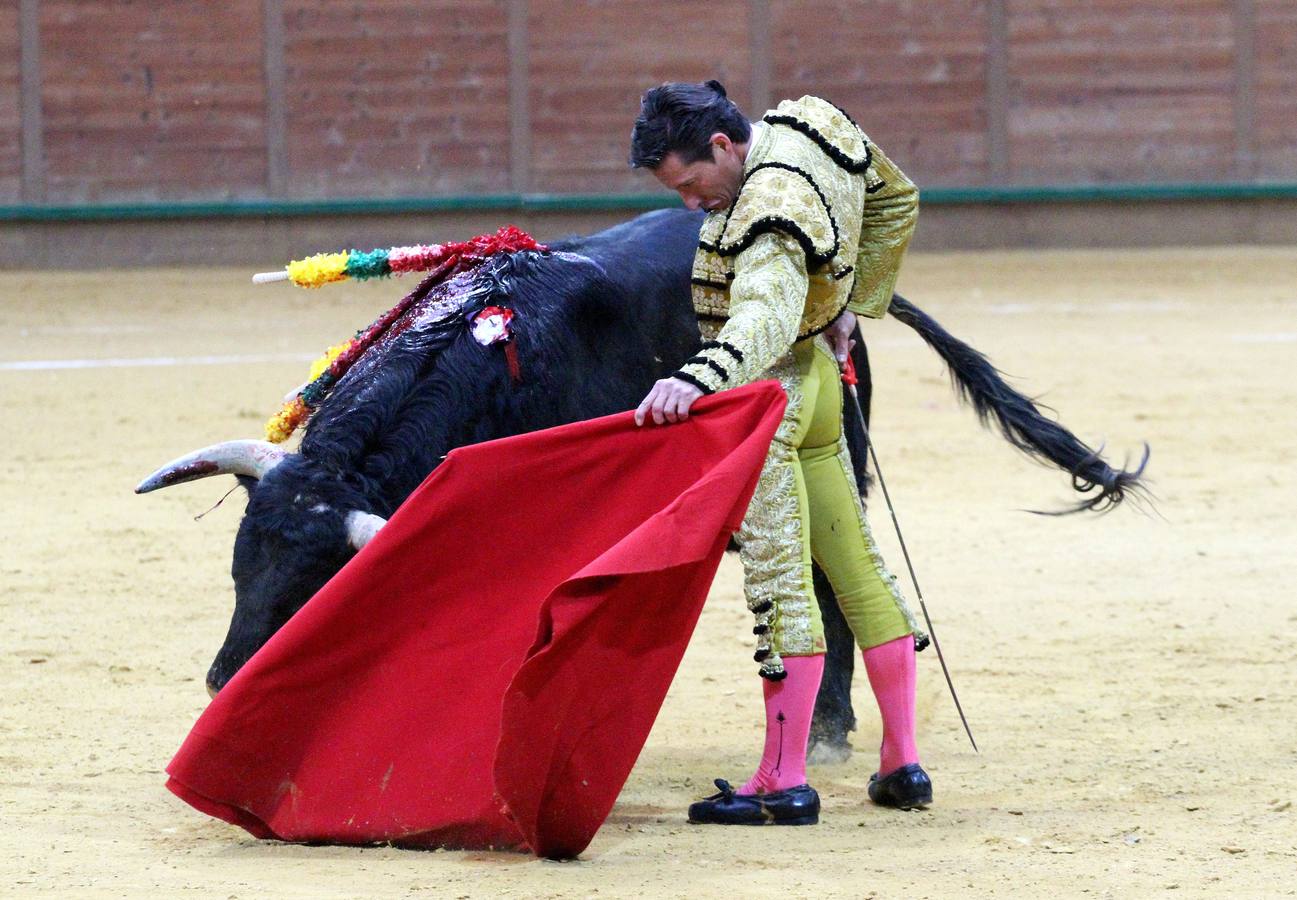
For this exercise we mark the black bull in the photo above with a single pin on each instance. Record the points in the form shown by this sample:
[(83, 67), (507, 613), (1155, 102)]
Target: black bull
[(597, 320)]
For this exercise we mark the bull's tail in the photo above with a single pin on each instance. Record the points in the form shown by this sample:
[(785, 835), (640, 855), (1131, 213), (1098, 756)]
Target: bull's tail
[(1021, 421)]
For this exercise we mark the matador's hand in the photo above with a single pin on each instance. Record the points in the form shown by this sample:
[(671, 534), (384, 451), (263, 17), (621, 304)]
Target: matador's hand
[(839, 336), (669, 401)]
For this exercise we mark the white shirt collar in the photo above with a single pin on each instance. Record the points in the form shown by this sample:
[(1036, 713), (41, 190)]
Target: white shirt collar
[(757, 129)]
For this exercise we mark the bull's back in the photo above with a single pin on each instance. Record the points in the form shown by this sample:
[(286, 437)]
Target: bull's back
[(651, 251), (644, 290), (596, 321)]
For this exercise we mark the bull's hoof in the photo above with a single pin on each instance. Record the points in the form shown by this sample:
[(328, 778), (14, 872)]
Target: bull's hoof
[(828, 753)]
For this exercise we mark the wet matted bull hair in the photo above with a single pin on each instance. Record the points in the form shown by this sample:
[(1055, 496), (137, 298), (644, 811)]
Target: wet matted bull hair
[(441, 261), (432, 386), (680, 117), (369, 399)]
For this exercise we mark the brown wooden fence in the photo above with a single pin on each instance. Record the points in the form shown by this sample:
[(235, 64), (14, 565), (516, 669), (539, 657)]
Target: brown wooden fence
[(131, 101)]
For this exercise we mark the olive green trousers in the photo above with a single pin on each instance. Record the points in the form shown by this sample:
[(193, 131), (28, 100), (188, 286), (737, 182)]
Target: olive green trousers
[(806, 507)]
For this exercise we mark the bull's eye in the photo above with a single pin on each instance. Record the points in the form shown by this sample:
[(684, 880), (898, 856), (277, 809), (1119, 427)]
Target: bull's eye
[(320, 508)]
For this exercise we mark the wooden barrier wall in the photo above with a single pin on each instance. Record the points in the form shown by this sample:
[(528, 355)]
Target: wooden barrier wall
[(132, 101)]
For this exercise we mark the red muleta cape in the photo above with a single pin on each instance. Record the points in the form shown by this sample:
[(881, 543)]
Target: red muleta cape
[(485, 673)]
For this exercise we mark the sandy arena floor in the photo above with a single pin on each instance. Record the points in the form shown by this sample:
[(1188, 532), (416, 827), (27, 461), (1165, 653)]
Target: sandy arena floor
[(1131, 679)]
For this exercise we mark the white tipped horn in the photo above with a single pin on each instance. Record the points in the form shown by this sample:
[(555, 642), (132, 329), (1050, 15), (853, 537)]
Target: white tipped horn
[(361, 527), (291, 395), (254, 458)]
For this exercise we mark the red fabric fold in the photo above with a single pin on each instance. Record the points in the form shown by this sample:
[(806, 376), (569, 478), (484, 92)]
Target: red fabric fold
[(485, 673)]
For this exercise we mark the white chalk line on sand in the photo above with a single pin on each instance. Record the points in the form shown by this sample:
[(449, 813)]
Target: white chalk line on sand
[(1068, 306), (113, 328), (44, 365), (1272, 337), (28, 331)]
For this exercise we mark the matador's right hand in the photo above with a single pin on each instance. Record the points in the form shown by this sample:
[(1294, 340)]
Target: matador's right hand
[(669, 401), (839, 336)]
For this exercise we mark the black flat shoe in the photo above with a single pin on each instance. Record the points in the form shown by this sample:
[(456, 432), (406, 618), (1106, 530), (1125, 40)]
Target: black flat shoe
[(795, 806), (909, 787)]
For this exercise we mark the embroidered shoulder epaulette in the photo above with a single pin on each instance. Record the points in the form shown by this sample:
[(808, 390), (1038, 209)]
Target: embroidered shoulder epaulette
[(780, 197), (833, 130)]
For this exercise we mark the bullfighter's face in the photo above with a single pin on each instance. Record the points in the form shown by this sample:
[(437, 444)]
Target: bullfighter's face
[(710, 184)]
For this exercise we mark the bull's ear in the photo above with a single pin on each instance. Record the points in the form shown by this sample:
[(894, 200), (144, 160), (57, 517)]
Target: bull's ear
[(248, 483)]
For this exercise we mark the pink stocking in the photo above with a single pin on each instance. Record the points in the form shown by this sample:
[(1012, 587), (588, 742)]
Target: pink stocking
[(789, 706), (892, 676)]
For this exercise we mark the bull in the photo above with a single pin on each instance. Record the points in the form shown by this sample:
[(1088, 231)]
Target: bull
[(597, 320)]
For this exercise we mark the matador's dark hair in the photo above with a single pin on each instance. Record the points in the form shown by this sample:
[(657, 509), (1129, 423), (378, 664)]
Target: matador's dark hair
[(679, 117)]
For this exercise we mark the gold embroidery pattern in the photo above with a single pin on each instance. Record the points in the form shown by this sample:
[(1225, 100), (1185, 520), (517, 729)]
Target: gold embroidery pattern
[(875, 215), (830, 123), (766, 302), (710, 328), (774, 195), (712, 297), (887, 224), (776, 582)]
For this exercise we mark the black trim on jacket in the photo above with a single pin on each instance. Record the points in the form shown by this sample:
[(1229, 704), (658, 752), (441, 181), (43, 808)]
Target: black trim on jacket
[(765, 224), (726, 346), (710, 363), (715, 285), (855, 167), (685, 376)]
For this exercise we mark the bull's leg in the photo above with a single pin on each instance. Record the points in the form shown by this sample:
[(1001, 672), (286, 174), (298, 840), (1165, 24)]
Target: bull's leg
[(834, 716)]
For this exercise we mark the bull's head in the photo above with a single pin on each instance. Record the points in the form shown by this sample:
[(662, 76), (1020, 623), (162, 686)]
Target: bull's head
[(293, 538)]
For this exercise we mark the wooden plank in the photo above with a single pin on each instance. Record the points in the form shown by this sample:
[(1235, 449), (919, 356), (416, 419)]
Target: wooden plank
[(997, 91), (1126, 92), (1245, 89), (33, 125), (276, 136), (167, 107), (1275, 121), (914, 75), (11, 115), (519, 97), (592, 59), (409, 99)]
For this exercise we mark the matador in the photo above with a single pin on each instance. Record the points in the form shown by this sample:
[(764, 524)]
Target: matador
[(807, 222)]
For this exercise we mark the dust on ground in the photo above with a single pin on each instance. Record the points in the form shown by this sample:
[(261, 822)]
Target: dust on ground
[(1130, 678)]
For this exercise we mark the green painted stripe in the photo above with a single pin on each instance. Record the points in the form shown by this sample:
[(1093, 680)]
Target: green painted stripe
[(520, 203), (1107, 193)]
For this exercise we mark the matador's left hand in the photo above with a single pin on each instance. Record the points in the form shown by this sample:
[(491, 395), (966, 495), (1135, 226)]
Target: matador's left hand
[(839, 336), (669, 401)]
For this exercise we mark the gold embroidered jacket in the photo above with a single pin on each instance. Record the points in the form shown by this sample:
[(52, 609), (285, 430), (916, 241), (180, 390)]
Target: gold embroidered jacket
[(820, 223)]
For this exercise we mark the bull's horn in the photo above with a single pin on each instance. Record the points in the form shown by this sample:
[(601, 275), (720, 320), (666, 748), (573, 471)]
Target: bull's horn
[(362, 526), (292, 395), (254, 458)]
